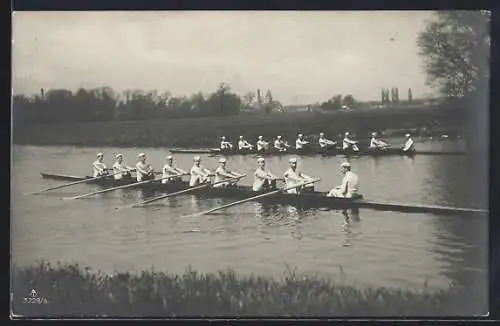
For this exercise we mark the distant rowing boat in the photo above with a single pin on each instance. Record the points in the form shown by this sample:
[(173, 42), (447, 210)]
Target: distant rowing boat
[(315, 151), (312, 199)]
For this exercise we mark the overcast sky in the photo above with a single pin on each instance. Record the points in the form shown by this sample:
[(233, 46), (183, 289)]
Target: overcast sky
[(302, 57)]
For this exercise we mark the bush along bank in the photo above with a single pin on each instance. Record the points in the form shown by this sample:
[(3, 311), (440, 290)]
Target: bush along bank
[(68, 290)]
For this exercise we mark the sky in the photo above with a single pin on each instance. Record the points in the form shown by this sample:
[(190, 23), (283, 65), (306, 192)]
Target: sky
[(302, 57)]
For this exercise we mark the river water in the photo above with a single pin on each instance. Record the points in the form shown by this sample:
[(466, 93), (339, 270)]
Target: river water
[(367, 249)]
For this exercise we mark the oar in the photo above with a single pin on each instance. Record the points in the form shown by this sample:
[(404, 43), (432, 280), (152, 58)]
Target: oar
[(205, 185), (251, 198), (71, 184)]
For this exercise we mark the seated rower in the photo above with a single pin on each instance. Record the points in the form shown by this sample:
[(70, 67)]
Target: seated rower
[(99, 166), (293, 177), (225, 145), (223, 173), (262, 145), (243, 145), (280, 145), (349, 187), (409, 146), (198, 173), (144, 171), (263, 179), (300, 143), (325, 143), (171, 172), (348, 144), (377, 143), (120, 169)]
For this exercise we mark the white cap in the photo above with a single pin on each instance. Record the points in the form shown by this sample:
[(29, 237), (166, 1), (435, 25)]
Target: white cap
[(222, 160), (260, 159), (345, 165), (119, 155), (321, 134), (260, 137), (223, 137), (293, 160), (170, 157), (407, 135), (142, 155), (100, 154), (197, 158), (300, 135), (279, 137), (241, 137), (374, 133), (347, 133)]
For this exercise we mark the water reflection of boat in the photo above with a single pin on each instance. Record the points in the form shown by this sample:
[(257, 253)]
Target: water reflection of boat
[(351, 222)]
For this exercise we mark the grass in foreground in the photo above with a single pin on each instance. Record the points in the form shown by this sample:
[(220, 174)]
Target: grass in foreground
[(73, 291)]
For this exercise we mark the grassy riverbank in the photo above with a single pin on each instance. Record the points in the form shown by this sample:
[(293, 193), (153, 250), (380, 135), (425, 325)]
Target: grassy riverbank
[(72, 291), (205, 132)]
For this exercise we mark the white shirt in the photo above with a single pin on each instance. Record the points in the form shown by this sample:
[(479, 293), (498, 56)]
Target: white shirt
[(168, 171), (349, 182), (408, 145), (375, 143), (225, 145), (198, 174), (261, 144), (243, 144), (291, 179), (347, 142), (323, 142), (221, 174), (99, 168), (119, 169), (142, 169), (299, 143), (278, 144), (260, 177)]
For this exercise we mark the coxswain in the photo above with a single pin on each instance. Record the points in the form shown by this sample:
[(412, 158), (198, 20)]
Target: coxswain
[(350, 185), (377, 143), (198, 173), (120, 169), (263, 179), (300, 142), (99, 166), (348, 143), (293, 177), (262, 145), (243, 145), (144, 171), (325, 143), (224, 144), (409, 146), (171, 172), (223, 173), (280, 144)]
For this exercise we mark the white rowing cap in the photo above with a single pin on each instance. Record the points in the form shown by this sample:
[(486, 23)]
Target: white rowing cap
[(222, 160), (170, 157), (197, 159), (345, 165), (260, 159), (321, 134), (142, 155), (119, 155), (279, 137), (100, 154), (260, 137), (241, 137), (223, 138), (293, 160), (407, 135), (300, 135), (347, 133)]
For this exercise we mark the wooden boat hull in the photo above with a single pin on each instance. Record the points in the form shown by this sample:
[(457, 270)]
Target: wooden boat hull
[(306, 199)]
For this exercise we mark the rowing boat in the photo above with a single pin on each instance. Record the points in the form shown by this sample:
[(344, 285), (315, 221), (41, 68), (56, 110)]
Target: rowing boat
[(306, 199), (315, 151)]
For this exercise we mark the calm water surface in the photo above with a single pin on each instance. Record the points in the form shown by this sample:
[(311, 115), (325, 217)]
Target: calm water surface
[(369, 249)]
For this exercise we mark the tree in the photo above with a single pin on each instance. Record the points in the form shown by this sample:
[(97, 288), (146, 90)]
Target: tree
[(349, 101), (410, 96), (455, 47)]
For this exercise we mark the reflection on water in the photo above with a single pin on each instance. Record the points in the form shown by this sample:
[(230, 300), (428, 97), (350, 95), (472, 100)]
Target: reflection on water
[(381, 248)]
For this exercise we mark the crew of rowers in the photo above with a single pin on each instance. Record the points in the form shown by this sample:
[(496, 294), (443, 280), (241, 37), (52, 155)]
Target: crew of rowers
[(264, 180), (348, 144)]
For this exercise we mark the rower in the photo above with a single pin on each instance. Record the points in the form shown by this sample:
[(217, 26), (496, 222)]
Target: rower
[(243, 145), (293, 177), (144, 171), (171, 172), (325, 143), (280, 145), (223, 173), (409, 146), (300, 142), (120, 169), (198, 173), (262, 145), (225, 145), (99, 166), (263, 179), (348, 143), (377, 143), (349, 187)]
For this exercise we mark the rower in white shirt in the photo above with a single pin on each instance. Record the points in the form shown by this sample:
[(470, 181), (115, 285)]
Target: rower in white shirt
[(263, 179), (224, 144), (262, 145), (409, 146), (99, 167), (348, 143), (120, 169), (294, 177), (280, 145), (243, 145), (350, 184), (144, 171), (171, 172), (377, 143), (324, 143), (223, 173), (198, 173), (300, 142)]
